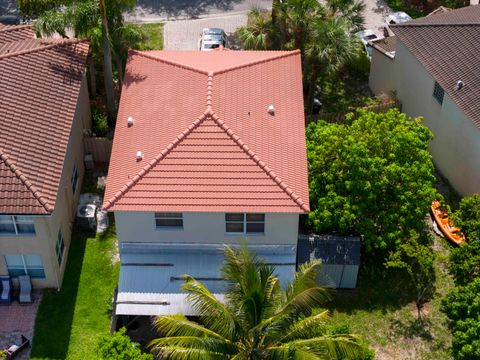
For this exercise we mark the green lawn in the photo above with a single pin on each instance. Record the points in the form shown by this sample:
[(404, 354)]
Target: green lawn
[(154, 34), (68, 323), (382, 312)]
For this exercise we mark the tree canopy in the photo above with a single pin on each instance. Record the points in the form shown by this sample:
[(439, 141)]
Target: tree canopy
[(373, 177), (258, 321), (467, 217)]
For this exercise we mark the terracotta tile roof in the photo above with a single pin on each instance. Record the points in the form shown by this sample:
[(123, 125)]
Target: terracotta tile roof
[(11, 33), (447, 45), (39, 87), (208, 142)]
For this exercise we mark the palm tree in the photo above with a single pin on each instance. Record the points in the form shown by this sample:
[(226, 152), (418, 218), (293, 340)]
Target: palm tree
[(95, 20), (258, 320), (330, 46), (259, 33)]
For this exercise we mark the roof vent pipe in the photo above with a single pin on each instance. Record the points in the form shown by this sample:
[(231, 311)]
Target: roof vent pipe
[(130, 121), (139, 155), (459, 84), (271, 110)]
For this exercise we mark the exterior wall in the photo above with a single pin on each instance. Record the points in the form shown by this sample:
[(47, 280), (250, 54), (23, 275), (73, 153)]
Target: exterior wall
[(456, 146), (381, 79), (206, 228), (46, 227)]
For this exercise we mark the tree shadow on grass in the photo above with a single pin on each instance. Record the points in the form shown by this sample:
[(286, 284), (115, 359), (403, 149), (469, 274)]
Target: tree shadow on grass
[(377, 288), (416, 328), (53, 323)]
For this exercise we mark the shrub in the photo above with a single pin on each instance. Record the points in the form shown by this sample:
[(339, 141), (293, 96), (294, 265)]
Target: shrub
[(464, 263), (118, 346), (99, 123), (467, 217), (462, 306)]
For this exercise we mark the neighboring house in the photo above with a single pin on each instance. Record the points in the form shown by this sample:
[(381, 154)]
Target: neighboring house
[(209, 149), (44, 108), (432, 64)]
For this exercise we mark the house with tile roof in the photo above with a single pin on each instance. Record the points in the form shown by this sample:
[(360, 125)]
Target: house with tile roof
[(44, 108), (432, 64), (209, 150)]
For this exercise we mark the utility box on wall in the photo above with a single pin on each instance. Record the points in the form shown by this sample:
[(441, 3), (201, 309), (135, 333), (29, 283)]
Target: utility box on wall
[(340, 257)]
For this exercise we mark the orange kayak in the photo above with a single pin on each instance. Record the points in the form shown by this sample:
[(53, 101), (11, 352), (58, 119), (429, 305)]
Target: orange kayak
[(454, 234)]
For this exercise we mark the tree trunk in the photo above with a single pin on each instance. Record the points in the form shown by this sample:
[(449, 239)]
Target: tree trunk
[(311, 88), (118, 64), (108, 78), (93, 77)]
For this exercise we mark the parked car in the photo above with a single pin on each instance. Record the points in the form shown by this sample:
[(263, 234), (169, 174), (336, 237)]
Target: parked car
[(9, 19), (393, 19), (212, 38), (365, 37)]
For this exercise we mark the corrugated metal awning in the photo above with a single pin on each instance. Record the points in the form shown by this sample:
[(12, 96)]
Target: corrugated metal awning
[(150, 274)]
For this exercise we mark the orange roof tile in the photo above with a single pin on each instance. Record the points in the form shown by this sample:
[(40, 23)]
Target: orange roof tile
[(39, 89), (208, 142)]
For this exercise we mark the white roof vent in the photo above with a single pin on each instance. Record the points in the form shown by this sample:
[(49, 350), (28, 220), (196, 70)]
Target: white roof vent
[(271, 110), (139, 155), (130, 121), (459, 84)]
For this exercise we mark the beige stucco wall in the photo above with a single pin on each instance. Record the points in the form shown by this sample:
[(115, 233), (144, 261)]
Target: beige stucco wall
[(47, 227), (381, 80), (456, 147), (206, 228)]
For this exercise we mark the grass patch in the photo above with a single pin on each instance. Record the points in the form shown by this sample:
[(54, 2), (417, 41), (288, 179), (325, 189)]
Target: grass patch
[(69, 322), (381, 310), (154, 34)]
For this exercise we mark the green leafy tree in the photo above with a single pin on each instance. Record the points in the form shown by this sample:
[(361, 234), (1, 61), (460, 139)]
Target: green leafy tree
[(464, 263), (118, 346), (373, 177), (258, 320), (467, 217), (462, 306), (417, 260), (259, 33)]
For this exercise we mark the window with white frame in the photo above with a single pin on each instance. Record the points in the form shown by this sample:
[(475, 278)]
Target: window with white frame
[(60, 247), (25, 265), (245, 223), (168, 220), (74, 178), (16, 224)]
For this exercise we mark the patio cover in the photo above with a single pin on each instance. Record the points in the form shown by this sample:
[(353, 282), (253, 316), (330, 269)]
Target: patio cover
[(150, 282)]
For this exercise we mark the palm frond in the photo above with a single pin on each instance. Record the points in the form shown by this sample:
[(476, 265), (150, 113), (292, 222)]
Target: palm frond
[(180, 353), (179, 325), (194, 342), (307, 300), (312, 326), (335, 346), (214, 314)]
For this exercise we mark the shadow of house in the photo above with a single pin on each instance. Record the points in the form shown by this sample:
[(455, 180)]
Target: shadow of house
[(190, 8)]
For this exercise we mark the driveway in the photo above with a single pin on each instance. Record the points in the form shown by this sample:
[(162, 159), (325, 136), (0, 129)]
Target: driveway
[(185, 34), (375, 13)]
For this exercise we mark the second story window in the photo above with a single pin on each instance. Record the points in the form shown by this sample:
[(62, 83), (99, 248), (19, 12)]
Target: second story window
[(60, 247), (438, 93), (16, 225), (74, 178), (169, 220), (241, 223)]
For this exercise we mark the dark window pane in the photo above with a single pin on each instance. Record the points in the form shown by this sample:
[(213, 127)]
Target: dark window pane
[(174, 215), (6, 225), (234, 217), (178, 223), (235, 227), (438, 93), (14, 272), (255, 217), (36, 273), (253, 228)]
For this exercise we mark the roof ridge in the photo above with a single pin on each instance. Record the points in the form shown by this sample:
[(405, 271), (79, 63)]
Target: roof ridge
[(15, 27), (284, 53), (432, 25), (42, 48), (259, 162), (130, 183), (28, 184), (170, 62)]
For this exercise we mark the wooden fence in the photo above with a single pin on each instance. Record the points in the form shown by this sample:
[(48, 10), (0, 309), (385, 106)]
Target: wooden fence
[(99, 147), (339, 118)]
